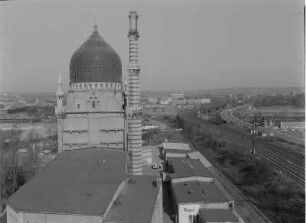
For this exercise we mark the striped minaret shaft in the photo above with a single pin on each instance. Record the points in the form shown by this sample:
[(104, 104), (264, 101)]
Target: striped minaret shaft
[(59, 114), (134, 117)]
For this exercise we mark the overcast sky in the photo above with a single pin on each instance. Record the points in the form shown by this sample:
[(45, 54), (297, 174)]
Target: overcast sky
[(184, 45)]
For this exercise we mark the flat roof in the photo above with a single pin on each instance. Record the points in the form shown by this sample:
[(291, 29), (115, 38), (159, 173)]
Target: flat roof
[(199, 156), (197, 191), (136, 201), (186, 167), (176, 146), (218, 215), (176, 151), (75, 182)]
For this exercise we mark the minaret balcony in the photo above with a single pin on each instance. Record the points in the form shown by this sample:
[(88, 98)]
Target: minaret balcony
[(134, 66), (59, 94)]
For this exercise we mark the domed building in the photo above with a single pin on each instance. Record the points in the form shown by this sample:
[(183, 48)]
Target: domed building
[(94, 114), (95, 61), (97, 175)]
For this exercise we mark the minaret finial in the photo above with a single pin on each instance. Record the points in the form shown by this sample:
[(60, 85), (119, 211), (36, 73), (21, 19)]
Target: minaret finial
[(59, 82), (95, 25), (59, 78)]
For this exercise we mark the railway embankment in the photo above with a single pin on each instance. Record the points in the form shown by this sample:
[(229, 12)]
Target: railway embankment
[(261, 184)]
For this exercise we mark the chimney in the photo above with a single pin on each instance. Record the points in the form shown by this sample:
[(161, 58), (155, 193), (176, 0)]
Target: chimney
[(135, 161)]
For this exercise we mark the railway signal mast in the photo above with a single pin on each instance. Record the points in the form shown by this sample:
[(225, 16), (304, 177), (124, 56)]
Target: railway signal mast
[(253, 138), (253, 132)]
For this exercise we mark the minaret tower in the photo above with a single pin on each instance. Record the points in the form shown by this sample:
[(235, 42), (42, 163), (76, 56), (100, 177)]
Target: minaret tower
[(59, 96), (134, 109), (59, 114)]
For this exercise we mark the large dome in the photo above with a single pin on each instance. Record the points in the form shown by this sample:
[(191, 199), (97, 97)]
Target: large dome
[(95, 61)]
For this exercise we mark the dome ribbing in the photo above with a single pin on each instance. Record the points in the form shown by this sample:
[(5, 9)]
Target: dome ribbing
[(95, 61)]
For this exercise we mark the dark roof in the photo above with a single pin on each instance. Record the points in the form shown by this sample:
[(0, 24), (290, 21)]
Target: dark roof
[(95, 61), (198, 156), (75, 182), (176, 146), (136, 201), (218, 215), (177, 151), (197, 191), (186, 167)]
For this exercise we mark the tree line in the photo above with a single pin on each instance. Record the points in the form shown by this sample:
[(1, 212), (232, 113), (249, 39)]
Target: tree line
[(268, 100)]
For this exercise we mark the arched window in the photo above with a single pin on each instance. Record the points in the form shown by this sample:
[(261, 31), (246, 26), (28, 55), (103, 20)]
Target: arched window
[(93, 104)]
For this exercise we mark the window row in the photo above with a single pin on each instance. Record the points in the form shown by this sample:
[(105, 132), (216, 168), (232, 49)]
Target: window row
[(95, 86)]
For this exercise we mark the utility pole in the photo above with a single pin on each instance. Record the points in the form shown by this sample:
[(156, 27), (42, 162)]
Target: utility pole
[(253, 136)]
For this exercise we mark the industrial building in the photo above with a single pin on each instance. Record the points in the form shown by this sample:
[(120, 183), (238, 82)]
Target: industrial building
[(196, 195), (97, 175), (296, 125), (175, 150)]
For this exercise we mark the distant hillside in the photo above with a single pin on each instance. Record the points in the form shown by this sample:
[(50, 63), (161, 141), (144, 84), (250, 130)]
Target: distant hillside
[(221, 91), (238, 90)]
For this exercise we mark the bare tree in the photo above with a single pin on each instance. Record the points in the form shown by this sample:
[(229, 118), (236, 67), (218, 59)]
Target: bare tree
[(11, 174), (32, 163)]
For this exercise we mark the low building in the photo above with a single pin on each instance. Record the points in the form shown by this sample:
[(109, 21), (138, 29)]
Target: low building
[(193, 199), (165, 101), (205, 100), (178, 101), (152, 100), (198, 101), (298, 125), (171, 153), (177, 95), (265, 132), (175, 150), (197, 196), (198, 156), (186, 169), (175, 146)]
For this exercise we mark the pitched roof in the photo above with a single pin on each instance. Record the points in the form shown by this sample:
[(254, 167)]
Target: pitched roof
[(75, 182), (136, 201)]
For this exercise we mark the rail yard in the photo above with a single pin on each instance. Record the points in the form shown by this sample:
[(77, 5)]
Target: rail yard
[(290, 162)]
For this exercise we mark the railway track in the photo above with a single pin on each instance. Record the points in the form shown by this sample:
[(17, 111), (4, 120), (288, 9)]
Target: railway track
[(288, 162), (290, 169)]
